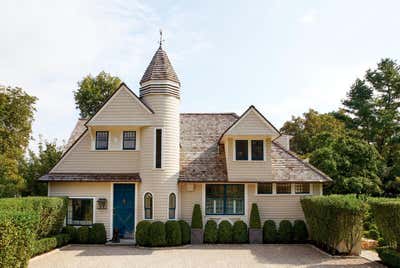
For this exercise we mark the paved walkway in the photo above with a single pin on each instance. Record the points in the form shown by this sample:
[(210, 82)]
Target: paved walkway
[(194, 256)]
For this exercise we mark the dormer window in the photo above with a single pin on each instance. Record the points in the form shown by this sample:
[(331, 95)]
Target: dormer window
[(249, 150), (129, 140), (101, 140)]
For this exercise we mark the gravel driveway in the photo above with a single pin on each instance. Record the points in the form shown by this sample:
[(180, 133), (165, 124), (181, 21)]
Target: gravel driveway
[(194, 256)]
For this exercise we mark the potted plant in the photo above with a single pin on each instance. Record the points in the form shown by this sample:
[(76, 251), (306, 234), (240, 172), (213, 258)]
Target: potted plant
[(197, 225), (255, 231)]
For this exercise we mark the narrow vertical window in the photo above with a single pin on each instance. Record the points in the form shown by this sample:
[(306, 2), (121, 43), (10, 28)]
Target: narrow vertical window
[(257, 150), (158, 147), (101, 140), (129, 140), (172, 206), (242, 152), (148, 206)]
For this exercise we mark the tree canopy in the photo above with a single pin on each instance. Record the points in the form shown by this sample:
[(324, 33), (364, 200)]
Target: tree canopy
[(93, 91)]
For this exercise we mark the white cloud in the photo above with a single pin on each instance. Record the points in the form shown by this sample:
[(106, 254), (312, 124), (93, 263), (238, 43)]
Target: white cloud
[(309, 17)]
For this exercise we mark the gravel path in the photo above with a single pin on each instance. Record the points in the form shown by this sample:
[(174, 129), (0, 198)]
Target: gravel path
[(194, 256)]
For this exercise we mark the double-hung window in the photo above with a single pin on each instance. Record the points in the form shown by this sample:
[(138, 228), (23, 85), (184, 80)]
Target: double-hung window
[(249, 150), (80, 211), (101, 140), (225, 199), (129, 140)]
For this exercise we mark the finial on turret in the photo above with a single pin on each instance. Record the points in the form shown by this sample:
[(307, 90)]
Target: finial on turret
[(161, 39)]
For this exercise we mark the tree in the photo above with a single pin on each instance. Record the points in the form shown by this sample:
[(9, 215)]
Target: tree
[(16, 116), (304, 129), (373, 108), (37, 165), (93, 91)]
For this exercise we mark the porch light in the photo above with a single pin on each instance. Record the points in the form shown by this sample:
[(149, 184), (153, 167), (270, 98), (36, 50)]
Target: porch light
[(102, 203)]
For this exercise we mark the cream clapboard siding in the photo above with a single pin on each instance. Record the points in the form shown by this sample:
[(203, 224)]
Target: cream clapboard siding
[(252, 124), (248, 170), (81, 158), (123, 109), (190, 194), (160, 182), (87, 189)]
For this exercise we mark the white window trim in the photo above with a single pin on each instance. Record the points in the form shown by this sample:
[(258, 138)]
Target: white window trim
[(176, 207), (94, 207), (256, 192), (249, 158), (292, 189), (108, 141), (136, 140), (162, 147), (152, 206), (309, 189), (204, 198)]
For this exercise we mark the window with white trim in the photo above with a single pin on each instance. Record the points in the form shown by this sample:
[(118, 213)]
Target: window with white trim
[(171, 206), (101, 140), (148, 206), (80, 211), (242, 151), (225, 199), (283, 188), (302, 188), (249, 150), (264, 188), (129, 140)]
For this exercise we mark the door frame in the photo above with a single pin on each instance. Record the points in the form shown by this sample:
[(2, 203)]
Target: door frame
[(112, 206)]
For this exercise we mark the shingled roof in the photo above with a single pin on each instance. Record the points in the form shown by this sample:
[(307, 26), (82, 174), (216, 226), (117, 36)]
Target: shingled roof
[(160, 68)]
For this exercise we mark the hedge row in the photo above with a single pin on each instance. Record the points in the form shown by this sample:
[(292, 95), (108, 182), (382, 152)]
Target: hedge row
[(51, 210), (17, 233), (46, 244), (389, 256), (286, 232), (333, 220), (159, 234), (96, 234)]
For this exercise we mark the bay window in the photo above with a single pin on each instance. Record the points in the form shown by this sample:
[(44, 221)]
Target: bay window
[(225, 199)]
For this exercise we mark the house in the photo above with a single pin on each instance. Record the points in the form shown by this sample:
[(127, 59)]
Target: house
[(138, 158)]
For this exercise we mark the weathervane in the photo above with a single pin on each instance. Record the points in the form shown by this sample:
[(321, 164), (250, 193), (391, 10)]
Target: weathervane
[(161, 39)]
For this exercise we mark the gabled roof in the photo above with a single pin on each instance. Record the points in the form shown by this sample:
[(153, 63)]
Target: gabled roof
[(160, 68), (123, 86), (268, 126)]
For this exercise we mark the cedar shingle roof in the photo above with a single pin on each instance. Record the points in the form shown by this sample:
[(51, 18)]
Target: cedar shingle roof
[(160, 68), (118, 177)]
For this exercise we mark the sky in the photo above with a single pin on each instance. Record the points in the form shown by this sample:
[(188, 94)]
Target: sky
[(284, 57)]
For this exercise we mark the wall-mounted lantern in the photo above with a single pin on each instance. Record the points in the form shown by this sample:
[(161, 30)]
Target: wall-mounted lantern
[(102, 203)]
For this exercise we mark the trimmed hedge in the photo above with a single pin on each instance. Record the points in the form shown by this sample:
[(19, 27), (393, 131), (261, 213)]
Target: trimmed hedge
[(333, 219), (143, 233), (97, 234), (173, 234), (224, 232), (270, 234), (386, 212), (300, 232), (185, 232), (72, 232), (211, 232), (83, 235), (255, 221), (52, 211), (18, 231), (285, 231), (239, 232), (157, 234), (49, 243), (197, 218), (389, 256)]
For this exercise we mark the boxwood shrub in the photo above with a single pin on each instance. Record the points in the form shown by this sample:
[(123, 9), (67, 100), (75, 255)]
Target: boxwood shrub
[(197, 218), (143, 233), (270, 234), (386, 212), (334, 219), (239, 232), (17, 233), (211, 232), (62, 239), (255, 221), (51, 210), (72, 232), (300, 233), (97, 234), (83, 235), (185, 232), (224, 232), (389, 256), (49, 243), (157, 234), (285, 231), (173, 234)]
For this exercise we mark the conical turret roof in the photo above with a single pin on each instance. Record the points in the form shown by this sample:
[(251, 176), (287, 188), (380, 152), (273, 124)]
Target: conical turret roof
[(160, 68)]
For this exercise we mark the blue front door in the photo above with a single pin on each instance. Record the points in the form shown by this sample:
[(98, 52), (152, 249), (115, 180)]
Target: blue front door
[(124, 209)]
